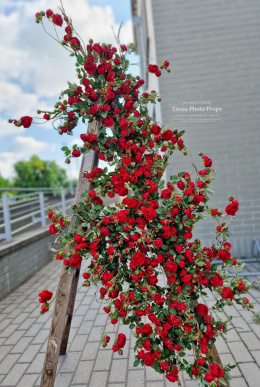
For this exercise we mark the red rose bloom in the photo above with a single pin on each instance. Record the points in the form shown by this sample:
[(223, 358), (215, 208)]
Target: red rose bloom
[(138, 258), (166, 194), (45, 296), (202, 309), (57, 20), (149, 359), (149, 213), (167, 135), (232, 208), (75, 153), (108, 121), (75, 261), (227, 293), (26, 121), (171, 267), (224, 255), (158, 243)]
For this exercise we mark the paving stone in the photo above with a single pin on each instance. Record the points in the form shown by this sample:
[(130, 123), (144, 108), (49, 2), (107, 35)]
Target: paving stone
[(33, 330), (90, 351), (4, 323), (14, 337), (227, 358), (256, 355), (95, 334), (41, 336), (85, 327), (103, 360), (98, 379), (70, 362), (7, 363), (251, 372), (240, 352), (83, 372), (8, 330), (26, 324), (28, 380), (118, 371), (151, 374), (240, 325), (250, 340), (15, 374), (5, 349), (136, 378), (30, 353), (63, 380), (37, 364), (78, 343), (91, 314), (221, 345)]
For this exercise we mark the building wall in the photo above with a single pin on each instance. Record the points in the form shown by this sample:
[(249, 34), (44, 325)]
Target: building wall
[(19, 261), (213, 48)]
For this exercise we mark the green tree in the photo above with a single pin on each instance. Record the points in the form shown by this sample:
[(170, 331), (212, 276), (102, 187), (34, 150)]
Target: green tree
[(4, 183), (39, 173)]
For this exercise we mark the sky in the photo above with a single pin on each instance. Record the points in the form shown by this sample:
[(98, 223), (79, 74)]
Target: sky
[(34, 69)]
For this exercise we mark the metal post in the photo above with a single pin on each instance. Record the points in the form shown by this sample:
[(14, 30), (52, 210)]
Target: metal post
[(42, 209), (63, 200), (6, 212)]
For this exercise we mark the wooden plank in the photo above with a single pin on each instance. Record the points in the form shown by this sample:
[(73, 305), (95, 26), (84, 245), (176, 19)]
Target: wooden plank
[(67, 287)]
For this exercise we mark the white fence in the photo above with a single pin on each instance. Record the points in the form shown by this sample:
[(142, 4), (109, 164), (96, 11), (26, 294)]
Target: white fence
[(19, 216)]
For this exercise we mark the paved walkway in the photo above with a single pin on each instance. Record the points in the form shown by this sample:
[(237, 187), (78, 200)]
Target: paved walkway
[(24, 332)]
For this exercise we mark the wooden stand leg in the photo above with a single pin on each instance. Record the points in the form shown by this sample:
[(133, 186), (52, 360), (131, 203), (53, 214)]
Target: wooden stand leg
[(69, 314), (67, 287)]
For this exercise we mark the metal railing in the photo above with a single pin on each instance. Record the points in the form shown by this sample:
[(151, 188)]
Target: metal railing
[(10, 210)]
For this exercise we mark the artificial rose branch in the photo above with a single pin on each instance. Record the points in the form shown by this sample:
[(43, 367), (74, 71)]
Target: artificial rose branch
[(150, 232)]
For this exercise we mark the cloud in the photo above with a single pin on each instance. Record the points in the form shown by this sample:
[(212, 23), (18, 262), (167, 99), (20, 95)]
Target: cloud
[(34, 68), (21, 148)]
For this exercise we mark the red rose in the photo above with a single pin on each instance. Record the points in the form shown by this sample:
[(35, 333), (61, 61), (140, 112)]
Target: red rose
[(75, 261), (153, 69), (180, 185), (26, 121), (46, 116), (202, 309), (224, 255), (147, 330), (126, 161), (75, 153), (171, 267), (52, 229), (232, 208), (157, 243), (75, 43), (121, 142), (90, 68), (167, 135), (45, 296), (108, 121), (227, 293), (49, 13), (138, 258), (149, 213), (166, 194), (155, 129), (149, 359), (57, 20), (214, 212)]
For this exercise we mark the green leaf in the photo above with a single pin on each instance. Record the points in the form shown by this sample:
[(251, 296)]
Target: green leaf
[(64, 148), (136, 362), (155, 346)]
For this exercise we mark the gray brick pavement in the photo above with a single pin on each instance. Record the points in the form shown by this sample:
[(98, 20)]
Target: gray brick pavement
[(24, 333)]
